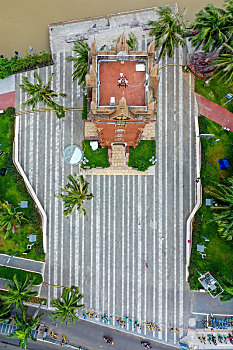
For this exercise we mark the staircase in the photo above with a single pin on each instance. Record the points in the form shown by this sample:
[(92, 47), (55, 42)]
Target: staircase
[(118, 157)]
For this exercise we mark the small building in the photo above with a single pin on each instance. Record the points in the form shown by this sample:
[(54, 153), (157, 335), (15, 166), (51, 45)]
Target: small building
[(122, 87), (210, 284)]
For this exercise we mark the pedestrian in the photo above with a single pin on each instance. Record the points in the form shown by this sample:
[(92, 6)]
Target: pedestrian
[(146, 265)]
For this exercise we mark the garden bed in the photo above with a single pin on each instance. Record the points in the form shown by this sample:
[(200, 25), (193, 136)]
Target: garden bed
[(13, 190), (219, 257), (7, 273), (215, 92), (98, 158), (84, 111), (17, 64), (140, 157)]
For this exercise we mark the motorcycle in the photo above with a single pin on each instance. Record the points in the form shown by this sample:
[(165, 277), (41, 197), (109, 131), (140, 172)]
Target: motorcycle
[(220, 338), (108, 340), (214, 340), (225, 339), (146, 345)]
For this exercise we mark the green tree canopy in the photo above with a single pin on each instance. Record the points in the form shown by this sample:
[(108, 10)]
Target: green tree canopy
[(10, 218), (132, 41), (19, 292), (224, 65), (212, 28), (5, 311), (67, 305), (42, 93), (81, 49), (168, 31), (223, 215), (76, 194), (25, 327)]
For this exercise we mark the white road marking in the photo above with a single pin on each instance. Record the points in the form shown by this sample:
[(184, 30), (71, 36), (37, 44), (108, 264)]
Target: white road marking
[(123, 245), (165, 202), (160, 211), (181, 219), (98, 205), (114, 253)]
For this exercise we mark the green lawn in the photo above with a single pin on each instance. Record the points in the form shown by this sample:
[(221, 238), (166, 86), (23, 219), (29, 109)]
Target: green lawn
[(215, 92), (98, 158), (219, 258), (13, 190), (140, 156), (7, 273)]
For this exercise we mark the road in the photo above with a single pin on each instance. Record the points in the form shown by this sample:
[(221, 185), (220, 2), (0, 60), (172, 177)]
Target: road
[(87, 335)]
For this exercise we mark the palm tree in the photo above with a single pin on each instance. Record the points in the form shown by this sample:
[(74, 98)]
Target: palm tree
[(81, 49), (25, 327), (19, 292), (224, 214), (67, 305), (10, 218), (224, 65), (5, 311), (132, 41), (229, 13), (168, 31), (41, 93), (212, 28), (227, 286), (76, 195)]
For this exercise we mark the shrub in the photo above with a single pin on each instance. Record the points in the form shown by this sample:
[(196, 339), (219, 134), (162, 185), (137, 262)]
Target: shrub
[(84, 111), (10, 111), (16, 64)]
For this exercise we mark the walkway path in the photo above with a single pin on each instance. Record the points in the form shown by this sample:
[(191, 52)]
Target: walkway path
[(214, 112), (133, 220), (21, 263), (7, 92)]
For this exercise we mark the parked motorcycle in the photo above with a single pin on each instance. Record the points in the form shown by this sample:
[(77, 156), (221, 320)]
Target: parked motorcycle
[(146, 345), (108, 340)]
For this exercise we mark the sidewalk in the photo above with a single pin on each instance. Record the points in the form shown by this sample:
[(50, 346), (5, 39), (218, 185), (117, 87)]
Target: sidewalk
[(21, 263), (214, 112), (204, 303), (7, 92)]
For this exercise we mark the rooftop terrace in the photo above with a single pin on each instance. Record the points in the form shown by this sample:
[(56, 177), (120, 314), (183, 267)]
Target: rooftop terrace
[(109, 74)]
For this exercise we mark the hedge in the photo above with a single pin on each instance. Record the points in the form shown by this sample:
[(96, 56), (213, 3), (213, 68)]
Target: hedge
[(16, 64), (7, 273)]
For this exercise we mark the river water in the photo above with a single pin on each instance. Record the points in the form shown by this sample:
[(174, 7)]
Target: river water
[(24, 23)]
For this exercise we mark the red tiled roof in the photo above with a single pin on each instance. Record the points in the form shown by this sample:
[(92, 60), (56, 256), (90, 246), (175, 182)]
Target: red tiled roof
[(109, 73)]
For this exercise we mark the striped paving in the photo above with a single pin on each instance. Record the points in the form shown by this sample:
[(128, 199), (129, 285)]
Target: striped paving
[(133, 220)]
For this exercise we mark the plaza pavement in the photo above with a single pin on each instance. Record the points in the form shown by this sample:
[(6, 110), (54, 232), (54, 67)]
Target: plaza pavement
[(133, 220)]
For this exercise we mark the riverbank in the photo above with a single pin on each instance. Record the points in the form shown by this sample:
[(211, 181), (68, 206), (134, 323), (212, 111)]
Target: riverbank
[(22, 26)]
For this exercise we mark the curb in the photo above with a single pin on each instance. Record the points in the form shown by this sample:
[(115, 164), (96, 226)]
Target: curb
[(27, 183), (198, 199)]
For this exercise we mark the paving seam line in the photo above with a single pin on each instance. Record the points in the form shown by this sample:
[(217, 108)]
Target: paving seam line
[(27, 183), (198, 198), (109, 16)]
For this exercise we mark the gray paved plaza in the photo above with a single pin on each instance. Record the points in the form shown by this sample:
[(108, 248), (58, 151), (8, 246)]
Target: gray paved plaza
[(133, 220)]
